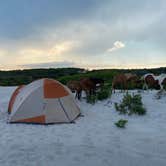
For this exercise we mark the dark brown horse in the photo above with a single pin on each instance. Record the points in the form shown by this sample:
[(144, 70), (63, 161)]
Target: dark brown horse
[(99, 82), (131, 77), (85, 84), (119, 80), (88, 86)]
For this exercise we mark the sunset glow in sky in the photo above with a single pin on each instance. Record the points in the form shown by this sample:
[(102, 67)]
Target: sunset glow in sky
[(82, 33)]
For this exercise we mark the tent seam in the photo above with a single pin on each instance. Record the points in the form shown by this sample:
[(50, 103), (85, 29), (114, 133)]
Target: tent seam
[(64, 109)]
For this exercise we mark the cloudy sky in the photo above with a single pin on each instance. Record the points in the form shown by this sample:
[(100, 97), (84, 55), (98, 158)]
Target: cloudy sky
[(82, 33)]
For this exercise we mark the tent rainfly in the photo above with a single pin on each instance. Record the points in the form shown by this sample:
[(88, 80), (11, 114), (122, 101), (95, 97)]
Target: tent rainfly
[(43, 101)]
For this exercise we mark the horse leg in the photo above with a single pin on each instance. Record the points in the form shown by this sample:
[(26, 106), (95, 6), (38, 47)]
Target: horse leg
[(122, 88), (79, 95), (93, 91), (145, 87), (76, 96), (79, 98), (90, 92), (161, 87), (126, 87), (113, 89)]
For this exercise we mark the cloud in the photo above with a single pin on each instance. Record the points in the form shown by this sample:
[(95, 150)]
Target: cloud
[(117, 45), (26, 55), (3, 52), (82, 32), (62, 47), (25, 19), (30, 52)]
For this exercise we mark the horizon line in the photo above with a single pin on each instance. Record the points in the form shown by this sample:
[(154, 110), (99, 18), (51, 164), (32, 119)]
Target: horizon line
[(88, 69)]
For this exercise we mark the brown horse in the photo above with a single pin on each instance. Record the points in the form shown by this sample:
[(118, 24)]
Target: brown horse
[(119, 80), (123, 80), (75, 86), (131, 77)]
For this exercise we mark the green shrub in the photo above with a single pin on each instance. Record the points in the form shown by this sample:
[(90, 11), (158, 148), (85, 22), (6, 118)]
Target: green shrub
[(138, 109), (121, 123), (131, 104), (120, 108), (104, 93)]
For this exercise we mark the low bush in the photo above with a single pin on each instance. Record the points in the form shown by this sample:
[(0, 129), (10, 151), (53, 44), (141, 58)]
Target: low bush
[(131, 104), (121, 123), (104, 93)]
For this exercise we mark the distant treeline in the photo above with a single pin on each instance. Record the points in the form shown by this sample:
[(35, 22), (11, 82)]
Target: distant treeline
[(18, 77)]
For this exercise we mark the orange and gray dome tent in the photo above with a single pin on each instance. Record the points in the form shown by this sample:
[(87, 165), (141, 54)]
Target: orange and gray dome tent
[(43, 101)]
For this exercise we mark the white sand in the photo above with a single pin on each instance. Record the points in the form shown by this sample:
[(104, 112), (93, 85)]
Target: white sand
[(93, 140)]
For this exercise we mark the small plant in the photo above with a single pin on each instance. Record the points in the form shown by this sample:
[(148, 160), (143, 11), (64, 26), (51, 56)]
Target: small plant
[(121, 123), (103, 94), (131, 104), (120, 108)]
